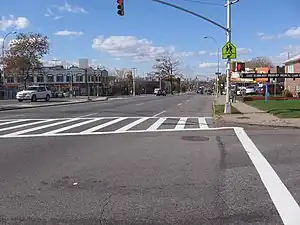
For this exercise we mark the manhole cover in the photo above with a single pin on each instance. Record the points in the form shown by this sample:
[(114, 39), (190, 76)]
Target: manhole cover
[(194, 138), (243, 117)]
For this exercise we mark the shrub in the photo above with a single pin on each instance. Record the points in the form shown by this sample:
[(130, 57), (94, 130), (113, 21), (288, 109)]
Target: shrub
[(286, 93)]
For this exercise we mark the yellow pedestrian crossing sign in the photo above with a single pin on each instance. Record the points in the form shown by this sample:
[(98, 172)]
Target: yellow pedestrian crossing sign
[(229, 51)]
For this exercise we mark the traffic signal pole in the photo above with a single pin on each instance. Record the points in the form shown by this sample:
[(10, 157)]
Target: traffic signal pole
[(227, 108)]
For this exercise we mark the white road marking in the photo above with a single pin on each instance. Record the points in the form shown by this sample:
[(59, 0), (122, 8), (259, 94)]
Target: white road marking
[(284, 202), (131, 125), (92, 114), (72, 126), (11, 122), (103, 125), (26, 125), (159, 113), (179, 104), (181, 123), (41, 127), (140, 103), (202, 122), (114, 132), (157, 124)]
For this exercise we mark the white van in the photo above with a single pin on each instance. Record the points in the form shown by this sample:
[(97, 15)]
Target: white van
[(156, 90)]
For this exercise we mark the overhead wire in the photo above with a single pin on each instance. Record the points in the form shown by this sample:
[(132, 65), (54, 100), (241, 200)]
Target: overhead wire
[(204, 3)]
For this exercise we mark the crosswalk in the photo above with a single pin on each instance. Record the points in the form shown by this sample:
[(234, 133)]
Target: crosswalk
[(99, 125)]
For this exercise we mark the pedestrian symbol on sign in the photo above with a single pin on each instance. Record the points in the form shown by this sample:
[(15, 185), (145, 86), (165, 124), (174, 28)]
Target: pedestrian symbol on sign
[(229, 51)]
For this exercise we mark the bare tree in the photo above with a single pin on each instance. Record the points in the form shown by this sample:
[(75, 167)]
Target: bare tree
[(259, 62), (168, 68), (25, 54)]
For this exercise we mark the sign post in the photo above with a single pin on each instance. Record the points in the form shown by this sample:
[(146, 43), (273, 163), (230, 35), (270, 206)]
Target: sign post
[(266, 93)]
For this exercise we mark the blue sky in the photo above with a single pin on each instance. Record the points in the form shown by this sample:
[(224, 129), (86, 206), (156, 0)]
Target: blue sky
[(92, 29)]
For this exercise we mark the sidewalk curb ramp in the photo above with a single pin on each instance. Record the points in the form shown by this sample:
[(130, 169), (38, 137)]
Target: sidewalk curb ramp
[(50, 105)]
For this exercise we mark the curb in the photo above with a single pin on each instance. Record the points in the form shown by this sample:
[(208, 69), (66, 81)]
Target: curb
[(49, 105), (258, 124)]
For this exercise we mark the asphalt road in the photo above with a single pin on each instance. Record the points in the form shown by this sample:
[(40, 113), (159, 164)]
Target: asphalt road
[(73, 165)]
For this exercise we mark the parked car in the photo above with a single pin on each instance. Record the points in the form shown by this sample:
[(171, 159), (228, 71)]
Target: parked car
[(161, 93), (34, 93), (250, 90), (272, 88)]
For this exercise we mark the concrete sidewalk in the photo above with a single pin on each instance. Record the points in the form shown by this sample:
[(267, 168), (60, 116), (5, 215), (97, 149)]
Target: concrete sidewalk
[(253, 116), (29, 105)]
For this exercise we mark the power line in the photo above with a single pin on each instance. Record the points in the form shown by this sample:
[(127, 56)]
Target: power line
[(204, 3)]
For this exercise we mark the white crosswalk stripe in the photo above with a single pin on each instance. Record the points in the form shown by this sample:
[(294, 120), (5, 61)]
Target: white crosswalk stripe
[(99, 125)]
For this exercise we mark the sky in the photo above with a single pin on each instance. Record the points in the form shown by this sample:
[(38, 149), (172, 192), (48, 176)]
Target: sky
[(93, 30)]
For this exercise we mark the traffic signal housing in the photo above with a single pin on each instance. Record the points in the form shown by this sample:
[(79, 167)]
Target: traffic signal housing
[(240, 67), (120, 7)]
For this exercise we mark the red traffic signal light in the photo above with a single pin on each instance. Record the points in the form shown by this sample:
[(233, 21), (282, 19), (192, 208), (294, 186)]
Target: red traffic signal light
[(120, 7), (240, 67)]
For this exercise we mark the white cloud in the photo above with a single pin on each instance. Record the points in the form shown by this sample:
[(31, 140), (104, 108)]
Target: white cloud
[(130, 46), (243, 51), (202, 52), (208, 65), (71, 9), (50, 13), (293, 32), (12, 22), (68, 33), (291, 49), (263, 36)]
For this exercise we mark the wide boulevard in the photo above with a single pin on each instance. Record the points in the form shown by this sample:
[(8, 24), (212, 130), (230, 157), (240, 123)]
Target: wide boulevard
[(145, 160)]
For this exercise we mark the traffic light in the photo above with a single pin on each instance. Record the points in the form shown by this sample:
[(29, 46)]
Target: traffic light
[(120, 7), (240, 67)]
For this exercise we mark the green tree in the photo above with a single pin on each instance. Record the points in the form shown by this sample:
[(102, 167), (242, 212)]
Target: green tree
[(24, 55)]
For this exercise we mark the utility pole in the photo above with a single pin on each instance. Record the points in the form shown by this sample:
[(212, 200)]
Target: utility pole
[(227, 108), (133, 81)]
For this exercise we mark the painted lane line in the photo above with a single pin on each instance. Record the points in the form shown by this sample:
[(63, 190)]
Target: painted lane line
[(179, 104), (284, 202), (159, 113), (103, 125), (11, 122), (202, 122), (26, 125), (72, 126), (181, 123), (131, 125), (140, 103), (41, 127), (157, 124)]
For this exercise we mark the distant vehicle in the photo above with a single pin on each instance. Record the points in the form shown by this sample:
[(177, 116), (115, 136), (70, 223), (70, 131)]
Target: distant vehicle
[(34, 93), (161, 93), (156, 90), (250, 90)]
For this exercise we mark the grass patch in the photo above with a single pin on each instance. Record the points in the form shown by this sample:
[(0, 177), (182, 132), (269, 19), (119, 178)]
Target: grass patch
[(219, 110), (279, 108)]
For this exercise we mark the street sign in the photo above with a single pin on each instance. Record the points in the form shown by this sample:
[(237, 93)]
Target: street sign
[(229, 51), (270, 75)]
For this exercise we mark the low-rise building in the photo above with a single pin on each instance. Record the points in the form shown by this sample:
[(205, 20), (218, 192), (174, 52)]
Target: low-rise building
[(292, 65), (58, 78)]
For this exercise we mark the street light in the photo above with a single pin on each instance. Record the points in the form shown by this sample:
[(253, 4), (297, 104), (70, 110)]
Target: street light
[(218, 69), (3, 51)]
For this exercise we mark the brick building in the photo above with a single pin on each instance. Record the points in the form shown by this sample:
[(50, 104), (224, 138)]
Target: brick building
[(292, 65)]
